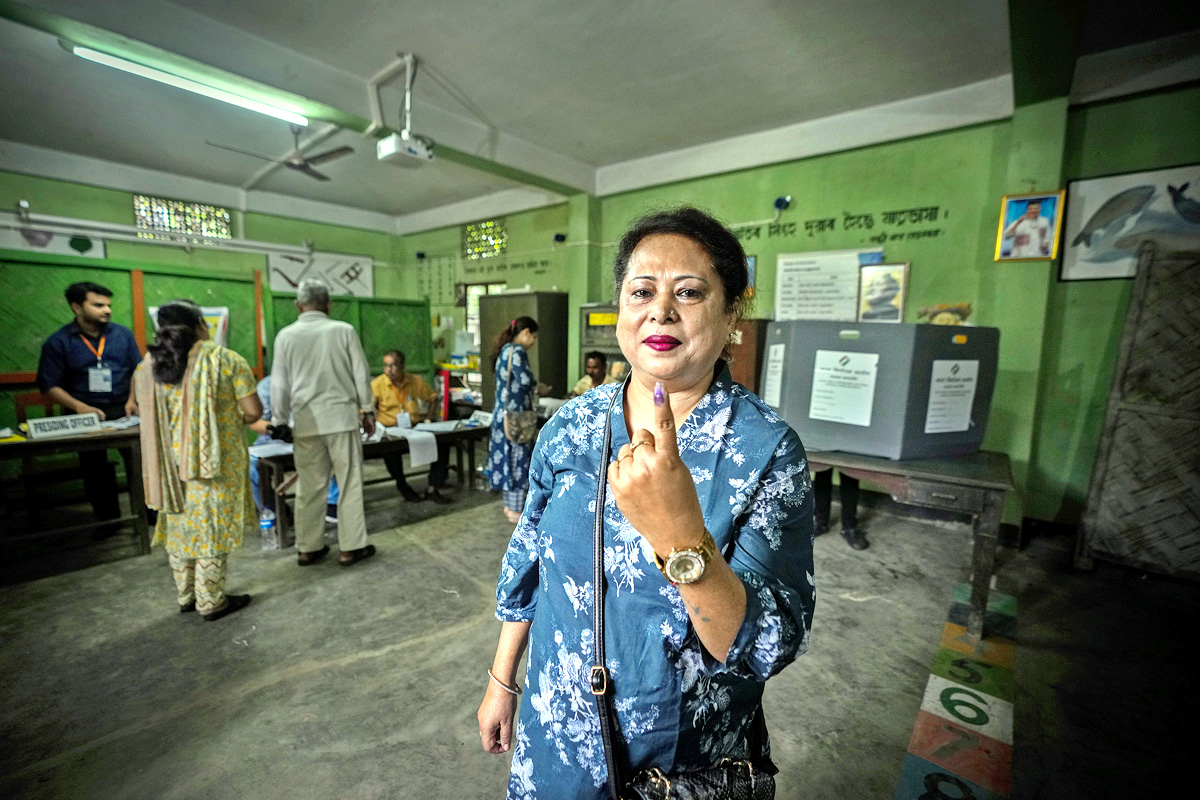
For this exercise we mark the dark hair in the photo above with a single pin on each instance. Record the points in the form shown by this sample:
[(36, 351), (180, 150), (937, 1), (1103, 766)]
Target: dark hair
[(398, 355), (78, 292), (596, 354), (510, 332), (724, 251), (177, 322)]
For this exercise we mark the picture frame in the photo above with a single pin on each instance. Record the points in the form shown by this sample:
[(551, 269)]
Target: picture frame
[(1108, 219), (882, 292), (1030, 226)]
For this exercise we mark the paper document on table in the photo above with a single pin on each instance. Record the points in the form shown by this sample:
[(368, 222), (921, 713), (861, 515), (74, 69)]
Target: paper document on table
[(268, 449), (422, 447), (121, 424), (439, 427)]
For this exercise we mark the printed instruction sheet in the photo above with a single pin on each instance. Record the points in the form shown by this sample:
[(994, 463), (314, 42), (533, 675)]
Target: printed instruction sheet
[(951, 395), (843, 387)]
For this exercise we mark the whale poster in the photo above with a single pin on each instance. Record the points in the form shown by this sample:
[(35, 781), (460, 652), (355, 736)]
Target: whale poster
[(1110, 219)]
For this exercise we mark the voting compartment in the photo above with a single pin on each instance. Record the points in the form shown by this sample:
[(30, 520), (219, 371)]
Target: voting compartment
[(896, 391)]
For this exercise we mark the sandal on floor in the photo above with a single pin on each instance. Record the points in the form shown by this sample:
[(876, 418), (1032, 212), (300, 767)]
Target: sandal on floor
[(233, 602), (308, 559), (349, 557), (187, 607)]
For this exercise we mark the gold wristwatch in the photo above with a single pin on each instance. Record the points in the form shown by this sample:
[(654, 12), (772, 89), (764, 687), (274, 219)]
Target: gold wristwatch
[(688, 564)]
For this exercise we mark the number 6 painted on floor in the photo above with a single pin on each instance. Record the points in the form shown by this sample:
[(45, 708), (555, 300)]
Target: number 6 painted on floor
[(977, 716)]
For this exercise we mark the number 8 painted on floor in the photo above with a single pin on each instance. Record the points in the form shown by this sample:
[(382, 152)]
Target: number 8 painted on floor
[(977, 716)]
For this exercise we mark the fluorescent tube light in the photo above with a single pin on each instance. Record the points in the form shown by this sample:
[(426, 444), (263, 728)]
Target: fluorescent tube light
[(188, 84)]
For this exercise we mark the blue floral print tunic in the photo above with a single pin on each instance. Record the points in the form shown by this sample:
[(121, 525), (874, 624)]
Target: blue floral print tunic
[(678, 707), (508, 462)]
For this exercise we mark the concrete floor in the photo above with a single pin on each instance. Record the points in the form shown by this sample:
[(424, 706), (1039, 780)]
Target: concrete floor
[(363, 682)]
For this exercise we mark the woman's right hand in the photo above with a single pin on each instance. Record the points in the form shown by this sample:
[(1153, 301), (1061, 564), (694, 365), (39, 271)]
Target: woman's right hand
[(496, 714)]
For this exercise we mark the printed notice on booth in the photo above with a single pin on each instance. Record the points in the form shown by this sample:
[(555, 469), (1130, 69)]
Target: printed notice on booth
[(773, 387), (843, 387), (951, 395)]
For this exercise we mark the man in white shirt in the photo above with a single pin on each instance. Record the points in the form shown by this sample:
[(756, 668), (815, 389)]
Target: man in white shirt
[(320, 379), (1030, 233)]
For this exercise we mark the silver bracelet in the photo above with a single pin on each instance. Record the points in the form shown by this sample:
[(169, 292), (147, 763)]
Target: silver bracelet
[(504, 686)]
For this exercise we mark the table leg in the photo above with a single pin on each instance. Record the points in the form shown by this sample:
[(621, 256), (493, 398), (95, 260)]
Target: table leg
[(471, 464), (983, 560), (458, 456), (137, 497)]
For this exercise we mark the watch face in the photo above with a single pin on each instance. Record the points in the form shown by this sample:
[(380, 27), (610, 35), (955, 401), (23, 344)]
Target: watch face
[(685, 566)]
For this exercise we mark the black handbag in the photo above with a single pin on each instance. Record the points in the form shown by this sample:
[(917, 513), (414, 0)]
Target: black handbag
[(751, 778)]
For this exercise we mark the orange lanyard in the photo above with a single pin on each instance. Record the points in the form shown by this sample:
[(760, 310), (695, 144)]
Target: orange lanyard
[(399, 397), (95, 352)]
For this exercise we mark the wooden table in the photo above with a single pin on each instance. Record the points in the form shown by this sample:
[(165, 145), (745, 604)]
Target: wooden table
[(272, 469), (973, 484), (127, 439)]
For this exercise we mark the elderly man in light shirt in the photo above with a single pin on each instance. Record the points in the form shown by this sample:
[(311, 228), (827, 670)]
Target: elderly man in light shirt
[(320, 379)]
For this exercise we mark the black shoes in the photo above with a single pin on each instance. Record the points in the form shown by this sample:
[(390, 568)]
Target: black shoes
[(822, 526), (408, 493), (433, 494), (233, 602), (855, 539), (349, 557), (330, 513)]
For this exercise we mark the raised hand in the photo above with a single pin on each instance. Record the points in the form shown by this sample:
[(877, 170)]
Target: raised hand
[(653, 487)]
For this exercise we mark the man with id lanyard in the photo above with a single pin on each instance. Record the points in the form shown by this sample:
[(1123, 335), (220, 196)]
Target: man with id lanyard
[(87, 366)]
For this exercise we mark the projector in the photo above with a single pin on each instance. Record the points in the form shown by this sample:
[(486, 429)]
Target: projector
[(404, 149)]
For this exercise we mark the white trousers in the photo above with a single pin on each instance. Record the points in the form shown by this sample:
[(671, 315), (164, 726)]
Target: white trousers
[(318, 457)]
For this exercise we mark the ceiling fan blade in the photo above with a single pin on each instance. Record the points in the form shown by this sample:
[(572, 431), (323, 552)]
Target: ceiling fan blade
[(243, 152), (308, 170), (330, 155)]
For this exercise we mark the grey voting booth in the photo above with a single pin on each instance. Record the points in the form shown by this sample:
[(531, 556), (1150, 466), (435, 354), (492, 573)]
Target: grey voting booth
[(896, 391)]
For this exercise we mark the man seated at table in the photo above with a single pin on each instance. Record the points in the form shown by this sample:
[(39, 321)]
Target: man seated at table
[(260, 427), (595, 369), (87, 366), (396, 392)]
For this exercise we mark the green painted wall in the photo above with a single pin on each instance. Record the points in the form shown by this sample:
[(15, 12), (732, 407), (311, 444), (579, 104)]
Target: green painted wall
[(532, 259), (32, 295), (65, 199), (1058, 340), (961, 172), (1085, 319)]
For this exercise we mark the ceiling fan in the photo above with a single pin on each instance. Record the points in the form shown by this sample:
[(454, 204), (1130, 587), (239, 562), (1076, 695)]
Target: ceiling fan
[(297, 160)]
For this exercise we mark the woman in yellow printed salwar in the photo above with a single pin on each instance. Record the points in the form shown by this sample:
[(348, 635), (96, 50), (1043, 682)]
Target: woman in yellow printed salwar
[(194, 398)]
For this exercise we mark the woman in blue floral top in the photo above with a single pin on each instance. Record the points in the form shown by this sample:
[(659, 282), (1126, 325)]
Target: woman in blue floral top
[(693, 455), (516, 388)]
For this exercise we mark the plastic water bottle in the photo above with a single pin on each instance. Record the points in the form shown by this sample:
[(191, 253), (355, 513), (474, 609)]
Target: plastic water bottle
[(266, 521)]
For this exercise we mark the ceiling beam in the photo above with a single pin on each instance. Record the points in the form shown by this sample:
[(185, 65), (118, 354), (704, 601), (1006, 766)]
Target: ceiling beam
[(1044, 37)]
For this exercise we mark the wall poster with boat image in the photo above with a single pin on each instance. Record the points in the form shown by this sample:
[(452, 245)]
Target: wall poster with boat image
[(1108, 220)]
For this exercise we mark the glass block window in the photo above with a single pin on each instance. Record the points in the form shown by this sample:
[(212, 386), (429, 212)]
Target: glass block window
[(484, 239), (196, 220)]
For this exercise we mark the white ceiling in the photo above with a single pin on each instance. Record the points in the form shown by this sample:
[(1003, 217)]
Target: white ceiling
[(561, 88)]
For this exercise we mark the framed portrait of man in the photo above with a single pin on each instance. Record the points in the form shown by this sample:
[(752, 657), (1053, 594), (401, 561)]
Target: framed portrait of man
[(882, 290), (1030, 225)]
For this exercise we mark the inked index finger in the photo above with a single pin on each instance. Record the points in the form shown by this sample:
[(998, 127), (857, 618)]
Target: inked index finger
[(664, 422)]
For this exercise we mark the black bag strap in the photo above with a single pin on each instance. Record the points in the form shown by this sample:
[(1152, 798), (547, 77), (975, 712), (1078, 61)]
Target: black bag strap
[(598, 679)]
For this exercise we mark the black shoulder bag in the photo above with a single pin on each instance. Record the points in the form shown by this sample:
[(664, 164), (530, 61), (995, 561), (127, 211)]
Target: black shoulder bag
[(751, 778)]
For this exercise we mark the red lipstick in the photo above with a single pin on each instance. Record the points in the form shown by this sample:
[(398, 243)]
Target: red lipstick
[(661, 343)]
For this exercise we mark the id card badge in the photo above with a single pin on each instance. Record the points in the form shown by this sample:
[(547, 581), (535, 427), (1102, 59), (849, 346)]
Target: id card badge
[(99, 379)]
